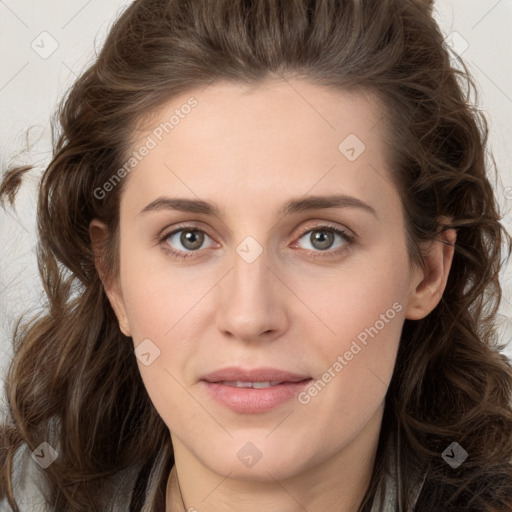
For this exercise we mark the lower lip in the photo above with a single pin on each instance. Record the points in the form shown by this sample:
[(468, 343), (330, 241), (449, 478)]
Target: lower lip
[(251, 400)]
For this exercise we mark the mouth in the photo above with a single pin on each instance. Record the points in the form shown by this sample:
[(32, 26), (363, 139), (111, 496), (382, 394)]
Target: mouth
[(254, 385), (233, 375), (252, 391)]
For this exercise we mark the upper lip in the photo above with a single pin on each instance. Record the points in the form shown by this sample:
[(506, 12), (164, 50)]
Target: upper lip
[(233, 373)]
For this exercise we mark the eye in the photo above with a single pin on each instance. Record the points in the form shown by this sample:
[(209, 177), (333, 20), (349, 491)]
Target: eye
[(189, 237), (322, 238)]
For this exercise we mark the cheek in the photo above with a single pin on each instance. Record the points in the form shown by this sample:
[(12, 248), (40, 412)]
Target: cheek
[(362, 313), (361, 302), (151, 292), (161, 363), (152, 310)]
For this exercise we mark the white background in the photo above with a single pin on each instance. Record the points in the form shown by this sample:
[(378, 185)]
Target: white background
[(30, 87)]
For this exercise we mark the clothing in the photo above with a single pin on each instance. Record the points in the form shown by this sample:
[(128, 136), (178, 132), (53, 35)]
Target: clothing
[(386, 496)]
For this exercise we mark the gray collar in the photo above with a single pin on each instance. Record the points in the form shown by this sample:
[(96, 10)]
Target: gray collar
[(386, 497)]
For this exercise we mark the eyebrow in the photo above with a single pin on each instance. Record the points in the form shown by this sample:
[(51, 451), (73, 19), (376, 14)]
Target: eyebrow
[(294, 205)]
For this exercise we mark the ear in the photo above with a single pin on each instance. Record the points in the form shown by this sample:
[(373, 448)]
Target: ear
[(99, 233), (427, 286)]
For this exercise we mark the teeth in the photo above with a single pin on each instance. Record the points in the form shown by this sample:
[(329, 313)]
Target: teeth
[(259, 385), (256, 385)]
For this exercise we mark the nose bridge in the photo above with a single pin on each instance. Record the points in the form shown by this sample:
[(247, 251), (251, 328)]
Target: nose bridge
[(250, 279), (248, 301)]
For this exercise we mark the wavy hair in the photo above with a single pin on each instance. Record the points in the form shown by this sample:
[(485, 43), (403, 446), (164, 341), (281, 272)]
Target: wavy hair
[(74, 381)]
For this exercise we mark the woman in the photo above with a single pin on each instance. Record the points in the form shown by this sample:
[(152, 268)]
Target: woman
[(196, 354)]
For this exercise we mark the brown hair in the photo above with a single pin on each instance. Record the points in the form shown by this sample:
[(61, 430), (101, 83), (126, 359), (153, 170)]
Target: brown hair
[(74, 381)]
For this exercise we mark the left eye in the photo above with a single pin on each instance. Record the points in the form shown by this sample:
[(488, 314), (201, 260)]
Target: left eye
[(322, 238)]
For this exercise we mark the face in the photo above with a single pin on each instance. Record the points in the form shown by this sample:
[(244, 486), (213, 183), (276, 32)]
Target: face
[(288, 255)]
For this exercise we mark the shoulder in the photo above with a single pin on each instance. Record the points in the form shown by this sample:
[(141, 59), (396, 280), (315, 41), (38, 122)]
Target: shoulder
[(30, 487)]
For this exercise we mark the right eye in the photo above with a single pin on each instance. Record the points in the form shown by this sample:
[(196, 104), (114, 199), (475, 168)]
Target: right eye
[(189, 237)]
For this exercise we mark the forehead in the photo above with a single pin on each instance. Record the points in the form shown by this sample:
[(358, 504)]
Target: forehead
[(278, 138)]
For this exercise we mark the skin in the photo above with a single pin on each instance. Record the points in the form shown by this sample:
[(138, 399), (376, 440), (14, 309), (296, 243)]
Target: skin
[(249, 150)]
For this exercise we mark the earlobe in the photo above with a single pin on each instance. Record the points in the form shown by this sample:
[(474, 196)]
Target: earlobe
[(117, 303), (98, 232), (429, 284)]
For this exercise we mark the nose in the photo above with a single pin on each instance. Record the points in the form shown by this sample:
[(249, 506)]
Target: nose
[(252, 299)]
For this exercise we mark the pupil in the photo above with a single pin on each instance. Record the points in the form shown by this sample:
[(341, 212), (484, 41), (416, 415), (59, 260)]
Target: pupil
[(191, 239), (322, 238)]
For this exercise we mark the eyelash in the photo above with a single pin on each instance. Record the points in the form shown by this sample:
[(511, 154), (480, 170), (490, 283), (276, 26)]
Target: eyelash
[(349, 239)]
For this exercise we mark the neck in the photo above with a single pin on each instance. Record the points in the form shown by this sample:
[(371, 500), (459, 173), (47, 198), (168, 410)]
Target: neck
[(336, 484)]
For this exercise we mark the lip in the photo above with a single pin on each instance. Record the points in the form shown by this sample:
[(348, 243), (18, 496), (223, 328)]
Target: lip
[(252, 400), (233, 373)]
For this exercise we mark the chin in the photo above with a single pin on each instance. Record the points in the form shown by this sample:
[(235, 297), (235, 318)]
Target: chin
[(249, 463)]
